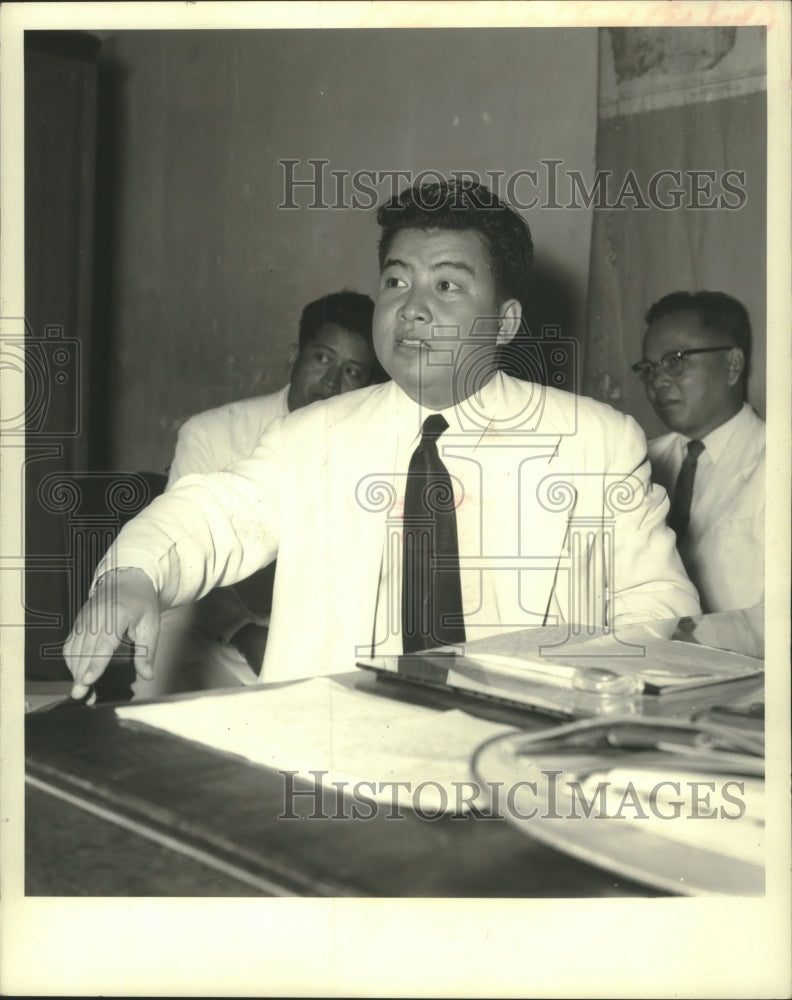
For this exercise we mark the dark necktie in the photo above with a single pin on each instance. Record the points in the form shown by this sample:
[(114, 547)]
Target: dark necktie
[(679, 514), (431, 586)]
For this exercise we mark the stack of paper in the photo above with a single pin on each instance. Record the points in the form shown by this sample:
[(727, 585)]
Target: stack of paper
[(419, 755)]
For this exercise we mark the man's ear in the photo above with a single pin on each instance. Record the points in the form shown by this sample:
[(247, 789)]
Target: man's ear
[(294, 351), (736, 362), (508, 321)]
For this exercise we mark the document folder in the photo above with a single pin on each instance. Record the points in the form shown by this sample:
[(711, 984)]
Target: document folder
[(574, 674)]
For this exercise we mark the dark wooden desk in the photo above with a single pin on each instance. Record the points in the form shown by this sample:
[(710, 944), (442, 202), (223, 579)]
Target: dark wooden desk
[(116, 808)]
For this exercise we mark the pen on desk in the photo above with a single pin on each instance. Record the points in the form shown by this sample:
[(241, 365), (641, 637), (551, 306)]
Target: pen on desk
[(550, 673), (88, 699)]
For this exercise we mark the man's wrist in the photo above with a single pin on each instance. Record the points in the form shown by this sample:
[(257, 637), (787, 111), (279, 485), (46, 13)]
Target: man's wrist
[(114, 571)]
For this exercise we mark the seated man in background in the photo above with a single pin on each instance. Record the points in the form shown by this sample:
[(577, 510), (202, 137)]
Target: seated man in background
[(696, 353), (221, 639), (452, 503)]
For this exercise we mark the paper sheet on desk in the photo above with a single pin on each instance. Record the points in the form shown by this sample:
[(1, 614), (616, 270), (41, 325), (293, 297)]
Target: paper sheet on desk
[(321, 725)]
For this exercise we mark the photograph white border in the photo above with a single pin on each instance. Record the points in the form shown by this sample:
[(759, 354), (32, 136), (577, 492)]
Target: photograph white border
[(433, 947)]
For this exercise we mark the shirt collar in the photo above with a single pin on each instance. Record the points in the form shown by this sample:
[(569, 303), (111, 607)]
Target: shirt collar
[(411, 415)]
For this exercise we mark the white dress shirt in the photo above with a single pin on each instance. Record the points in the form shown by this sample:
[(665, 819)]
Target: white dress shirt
[(723, 547)]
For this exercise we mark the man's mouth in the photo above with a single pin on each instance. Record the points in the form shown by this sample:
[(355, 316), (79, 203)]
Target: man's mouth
[(411, 343)]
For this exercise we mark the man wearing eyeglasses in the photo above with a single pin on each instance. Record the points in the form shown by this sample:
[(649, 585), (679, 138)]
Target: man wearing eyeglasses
[(696, 353)]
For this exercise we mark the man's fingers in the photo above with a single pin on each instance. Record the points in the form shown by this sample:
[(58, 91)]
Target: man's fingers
[(145, 634), (88, 659), (121, 604), (79, 691), (91, 644)]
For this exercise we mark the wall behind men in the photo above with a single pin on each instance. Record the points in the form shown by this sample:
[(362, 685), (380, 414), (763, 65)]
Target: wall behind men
[(208, 275)]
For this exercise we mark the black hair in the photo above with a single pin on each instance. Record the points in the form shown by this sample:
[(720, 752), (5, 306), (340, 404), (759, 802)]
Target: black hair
[(466, 205), (716, 311), (351, 310)]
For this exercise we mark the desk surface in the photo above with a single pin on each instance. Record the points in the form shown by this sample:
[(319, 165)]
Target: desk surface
[(100, 788), (116, 808)]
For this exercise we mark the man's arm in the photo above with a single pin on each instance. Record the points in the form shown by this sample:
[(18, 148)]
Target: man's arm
[(206, 443), (207, 531), (123, 602)]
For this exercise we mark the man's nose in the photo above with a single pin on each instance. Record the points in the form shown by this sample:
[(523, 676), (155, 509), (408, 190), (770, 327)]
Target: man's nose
[(332, 378), (416, 307)]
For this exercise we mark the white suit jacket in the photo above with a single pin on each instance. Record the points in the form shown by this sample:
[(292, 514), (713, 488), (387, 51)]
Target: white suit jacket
[(213, 439), (723, 548), (572, 520)]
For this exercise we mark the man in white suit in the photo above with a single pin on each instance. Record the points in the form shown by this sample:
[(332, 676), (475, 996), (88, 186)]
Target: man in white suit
[(696, 353), (557, 518), (220, 640)]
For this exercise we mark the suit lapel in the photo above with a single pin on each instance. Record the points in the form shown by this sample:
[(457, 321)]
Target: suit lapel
[(524, 527)]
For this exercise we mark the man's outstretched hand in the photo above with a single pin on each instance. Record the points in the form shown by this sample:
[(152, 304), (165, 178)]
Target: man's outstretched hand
[(123, 604)]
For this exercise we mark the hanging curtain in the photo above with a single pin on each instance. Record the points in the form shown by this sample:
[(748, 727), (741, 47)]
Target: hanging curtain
[(681, 196)]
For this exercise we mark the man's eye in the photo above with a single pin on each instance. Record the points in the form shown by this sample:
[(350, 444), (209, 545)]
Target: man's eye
[(446, 285), (674, 363), (393, 282), (354, 373), (322, 357)]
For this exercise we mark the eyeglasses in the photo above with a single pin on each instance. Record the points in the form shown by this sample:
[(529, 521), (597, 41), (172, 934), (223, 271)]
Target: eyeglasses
[(673, 363)]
